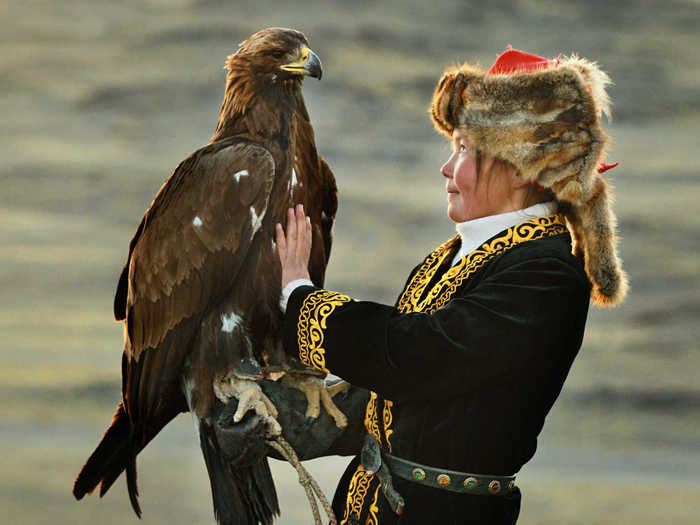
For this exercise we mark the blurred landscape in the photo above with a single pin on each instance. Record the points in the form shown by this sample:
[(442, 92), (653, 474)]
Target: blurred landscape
[(101, 100)]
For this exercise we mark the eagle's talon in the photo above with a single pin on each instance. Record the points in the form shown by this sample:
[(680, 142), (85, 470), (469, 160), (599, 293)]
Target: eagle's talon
[(340, 387), (306, 425), (317, 394), (250, 397)]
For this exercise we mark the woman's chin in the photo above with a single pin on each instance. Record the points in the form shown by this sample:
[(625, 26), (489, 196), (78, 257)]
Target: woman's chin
[(454, 214)]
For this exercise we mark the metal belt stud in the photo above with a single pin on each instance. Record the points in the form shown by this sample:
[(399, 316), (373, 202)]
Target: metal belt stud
[(418, 474), (495, 487), (471, 483), (443, 480)]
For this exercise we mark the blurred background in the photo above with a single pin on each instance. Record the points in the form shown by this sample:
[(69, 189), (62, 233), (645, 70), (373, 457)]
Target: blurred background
[(99, 101)]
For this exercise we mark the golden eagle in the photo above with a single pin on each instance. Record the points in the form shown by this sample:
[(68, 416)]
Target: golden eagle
[(199, 293)]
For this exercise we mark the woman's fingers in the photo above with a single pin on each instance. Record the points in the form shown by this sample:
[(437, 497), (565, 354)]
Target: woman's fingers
[(281, 241), (295, 243), (309, 238), (294, 247), (301, 232), (291, 230)]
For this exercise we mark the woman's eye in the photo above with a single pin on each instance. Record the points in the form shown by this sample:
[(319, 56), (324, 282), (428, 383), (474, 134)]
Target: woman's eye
[(462, 148)]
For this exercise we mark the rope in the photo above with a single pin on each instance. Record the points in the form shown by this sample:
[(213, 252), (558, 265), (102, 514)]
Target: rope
[(305, 480)]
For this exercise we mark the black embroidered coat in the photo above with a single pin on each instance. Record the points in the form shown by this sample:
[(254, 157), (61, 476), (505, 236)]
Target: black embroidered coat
[(463, 369)]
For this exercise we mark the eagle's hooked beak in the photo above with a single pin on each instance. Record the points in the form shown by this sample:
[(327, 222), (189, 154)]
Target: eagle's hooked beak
[(308, 64)]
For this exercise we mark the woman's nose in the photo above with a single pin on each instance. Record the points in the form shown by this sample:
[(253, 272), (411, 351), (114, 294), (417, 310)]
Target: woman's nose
[(446, 168)]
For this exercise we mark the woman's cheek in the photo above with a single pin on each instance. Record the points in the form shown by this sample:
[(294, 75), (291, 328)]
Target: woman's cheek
[(462, 177)]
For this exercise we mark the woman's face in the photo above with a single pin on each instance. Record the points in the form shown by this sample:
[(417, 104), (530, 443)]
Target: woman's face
[(470, 196)]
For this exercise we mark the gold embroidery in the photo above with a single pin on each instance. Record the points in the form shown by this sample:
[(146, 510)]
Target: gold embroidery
[(371, 419), (372, 518), (388, 419), (315, 309), (436, 298), (359, 485), (443, 291), (423, 276)]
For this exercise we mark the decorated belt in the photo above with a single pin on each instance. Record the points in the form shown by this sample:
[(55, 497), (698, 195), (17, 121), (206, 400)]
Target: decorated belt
[(452, 480), (383, 465)]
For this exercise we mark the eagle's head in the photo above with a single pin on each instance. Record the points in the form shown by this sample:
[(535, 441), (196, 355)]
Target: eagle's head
[(277, 54), (266, 72)]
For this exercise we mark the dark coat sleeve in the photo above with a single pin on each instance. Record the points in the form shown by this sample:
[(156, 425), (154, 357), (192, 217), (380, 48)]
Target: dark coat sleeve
[(520, 312)]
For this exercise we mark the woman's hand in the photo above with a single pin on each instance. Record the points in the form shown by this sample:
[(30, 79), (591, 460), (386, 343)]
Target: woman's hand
[(295, 248)]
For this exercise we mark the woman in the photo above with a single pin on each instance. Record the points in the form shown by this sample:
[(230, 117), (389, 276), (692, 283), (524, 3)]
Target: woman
[(465, 367)]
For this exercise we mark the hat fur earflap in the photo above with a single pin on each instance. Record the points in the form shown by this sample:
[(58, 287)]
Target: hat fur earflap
[(546, 122)]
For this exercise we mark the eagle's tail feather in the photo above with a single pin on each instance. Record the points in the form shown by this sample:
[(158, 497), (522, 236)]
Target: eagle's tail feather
[(116, 452), (265, 502), (111, 449), (132, 485), (242, 495)]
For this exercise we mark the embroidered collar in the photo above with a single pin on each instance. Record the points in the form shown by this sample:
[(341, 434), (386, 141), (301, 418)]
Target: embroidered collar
[(473, 233), (412, 299)]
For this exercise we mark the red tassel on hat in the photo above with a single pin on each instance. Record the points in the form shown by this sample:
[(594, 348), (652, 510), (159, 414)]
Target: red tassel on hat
[(539, 188), (605, 167), (512, 60)]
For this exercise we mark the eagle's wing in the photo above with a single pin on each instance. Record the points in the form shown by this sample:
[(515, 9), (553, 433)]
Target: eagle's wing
[(185, 255), (330, 205), (321, 199)]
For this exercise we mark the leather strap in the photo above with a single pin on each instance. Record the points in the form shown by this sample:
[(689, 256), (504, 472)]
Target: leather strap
[(371, 460), (452, 480)]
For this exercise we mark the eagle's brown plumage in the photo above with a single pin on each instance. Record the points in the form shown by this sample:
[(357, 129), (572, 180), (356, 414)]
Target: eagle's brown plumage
[(200, 288)]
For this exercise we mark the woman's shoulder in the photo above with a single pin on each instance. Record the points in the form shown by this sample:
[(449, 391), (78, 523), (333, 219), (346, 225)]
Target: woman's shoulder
[(547, 252)]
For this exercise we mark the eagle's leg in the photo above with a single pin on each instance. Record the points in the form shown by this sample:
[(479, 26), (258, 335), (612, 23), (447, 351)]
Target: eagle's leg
[(317, 393), (250, 397), (338, 387)]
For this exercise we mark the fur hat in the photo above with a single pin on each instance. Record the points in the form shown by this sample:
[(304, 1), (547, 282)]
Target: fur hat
[(543, 116)]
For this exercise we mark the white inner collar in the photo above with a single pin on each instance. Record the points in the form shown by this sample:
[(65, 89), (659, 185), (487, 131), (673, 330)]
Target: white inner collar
[(477, 231)]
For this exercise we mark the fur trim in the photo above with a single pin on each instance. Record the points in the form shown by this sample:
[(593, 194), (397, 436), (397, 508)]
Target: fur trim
[(603, 266), (594, 77), (546, 123)]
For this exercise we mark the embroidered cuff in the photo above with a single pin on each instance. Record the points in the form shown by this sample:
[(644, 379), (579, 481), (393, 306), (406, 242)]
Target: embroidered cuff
[(311, 326), (289, 288)]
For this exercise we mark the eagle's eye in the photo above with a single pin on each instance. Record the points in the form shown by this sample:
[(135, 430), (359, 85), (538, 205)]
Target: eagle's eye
[(277, 53)]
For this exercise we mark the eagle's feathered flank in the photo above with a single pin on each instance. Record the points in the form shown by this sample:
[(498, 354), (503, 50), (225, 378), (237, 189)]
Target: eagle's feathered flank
[(200, 289)]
